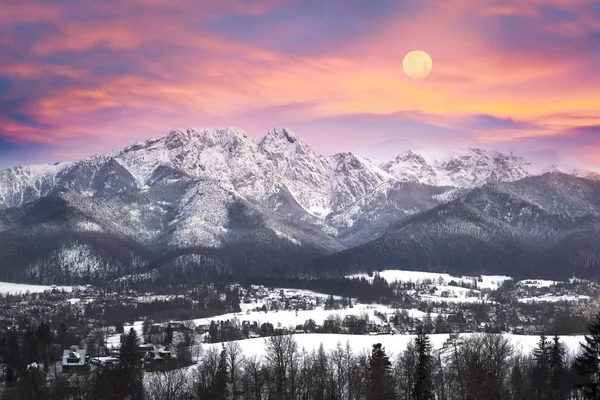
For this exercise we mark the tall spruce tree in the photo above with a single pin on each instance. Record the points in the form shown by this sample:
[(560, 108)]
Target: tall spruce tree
[(219, 387), (130, 366), (559, 384), (423, 388), (381, 386), (541, 372), (587, 364)]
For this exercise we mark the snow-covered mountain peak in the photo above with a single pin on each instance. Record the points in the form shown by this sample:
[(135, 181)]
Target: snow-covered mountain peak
[(209, 136), (412, 167), (282, 145), (283, 133), (224, 155), (476, 167), (349, 163)]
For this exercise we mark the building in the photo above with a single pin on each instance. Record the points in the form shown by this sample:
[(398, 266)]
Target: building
[(73, 360)]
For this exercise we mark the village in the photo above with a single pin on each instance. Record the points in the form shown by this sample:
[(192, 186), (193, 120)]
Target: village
[(91, 335)]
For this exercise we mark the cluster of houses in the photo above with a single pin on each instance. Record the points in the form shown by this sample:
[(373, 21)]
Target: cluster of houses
[(76, 360)]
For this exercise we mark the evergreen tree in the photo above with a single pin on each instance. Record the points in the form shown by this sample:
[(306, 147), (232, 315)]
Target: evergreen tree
[(380, 379), (213, 332), (518, 383), (130, 366), (559, 383), (541, 371), (423, 382), (587, 364), (168, 336), (219, 388)]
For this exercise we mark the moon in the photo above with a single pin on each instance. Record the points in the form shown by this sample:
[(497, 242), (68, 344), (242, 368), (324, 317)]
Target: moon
[(417, 64)]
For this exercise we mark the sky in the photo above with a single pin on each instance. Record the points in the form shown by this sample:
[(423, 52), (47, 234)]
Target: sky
[(78, 77)]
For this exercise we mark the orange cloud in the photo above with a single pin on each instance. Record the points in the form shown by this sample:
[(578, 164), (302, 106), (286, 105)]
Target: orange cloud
[(165, 67)]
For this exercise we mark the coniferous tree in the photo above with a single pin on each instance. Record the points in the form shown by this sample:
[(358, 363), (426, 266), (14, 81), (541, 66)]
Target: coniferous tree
[(518, 381), (130, 366), (541, 371), (587, 364), (220, 382), (559, 382), (423, 384), (168, 336), (380, 376)]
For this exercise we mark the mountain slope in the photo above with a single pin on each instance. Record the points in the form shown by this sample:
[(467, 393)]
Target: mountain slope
[(198, 191), (524, 228)]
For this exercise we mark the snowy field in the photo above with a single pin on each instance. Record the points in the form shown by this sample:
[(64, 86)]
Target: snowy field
[(539, 283), (553, 299), (16, 288), (394, 344), (290, 318), (396, 275), (114, 341)]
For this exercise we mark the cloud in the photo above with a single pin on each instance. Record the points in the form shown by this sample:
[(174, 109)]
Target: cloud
[(83, 76), (490, 122)]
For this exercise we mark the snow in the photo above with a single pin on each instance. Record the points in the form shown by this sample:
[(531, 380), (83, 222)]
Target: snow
[(394, 344), (114, 341), (396, 275), (462, 299), (288, 237), (289, 318), (492, 282), (87, 226), (21, 184), (554, 299), (459, 167), (16, 288), (539, 283)]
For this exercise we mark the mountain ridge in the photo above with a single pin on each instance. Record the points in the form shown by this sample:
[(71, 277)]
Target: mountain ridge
[(200, 188)]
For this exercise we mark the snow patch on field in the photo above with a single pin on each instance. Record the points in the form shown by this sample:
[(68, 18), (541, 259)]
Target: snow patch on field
[(553, 299), (114, 341), (540, 283), (396, 275), (16, 288), (289, 318)]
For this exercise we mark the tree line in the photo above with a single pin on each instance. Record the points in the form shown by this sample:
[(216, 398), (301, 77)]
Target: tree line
[(473, 367)]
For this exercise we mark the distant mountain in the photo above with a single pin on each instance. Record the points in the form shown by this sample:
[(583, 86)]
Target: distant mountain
[(538, 226), (466, 169), (216, 194)]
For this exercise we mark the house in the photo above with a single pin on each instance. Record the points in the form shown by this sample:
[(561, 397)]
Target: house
[(155, 354), (177, 326), (73, 360)]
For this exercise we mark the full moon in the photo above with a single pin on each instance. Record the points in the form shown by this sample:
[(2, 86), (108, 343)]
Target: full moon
[(417, 64)]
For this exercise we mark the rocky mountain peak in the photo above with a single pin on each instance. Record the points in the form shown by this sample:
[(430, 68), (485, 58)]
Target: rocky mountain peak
[(411, 167)]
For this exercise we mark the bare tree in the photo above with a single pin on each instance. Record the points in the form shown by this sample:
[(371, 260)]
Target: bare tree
[(281, 356), (168, 385), (235, 361), (255, 378)]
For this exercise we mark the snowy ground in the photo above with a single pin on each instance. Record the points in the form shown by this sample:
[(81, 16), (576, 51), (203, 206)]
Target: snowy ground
[(394, 344), (539, 283), (285, 319), (114, 341), (553, 299), (16, 288), (395, 275)]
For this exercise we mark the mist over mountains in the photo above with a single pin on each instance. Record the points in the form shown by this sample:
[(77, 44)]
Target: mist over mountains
[(217, 199)]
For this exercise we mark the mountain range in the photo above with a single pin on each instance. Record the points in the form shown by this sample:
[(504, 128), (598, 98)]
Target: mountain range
[(200, 198)]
